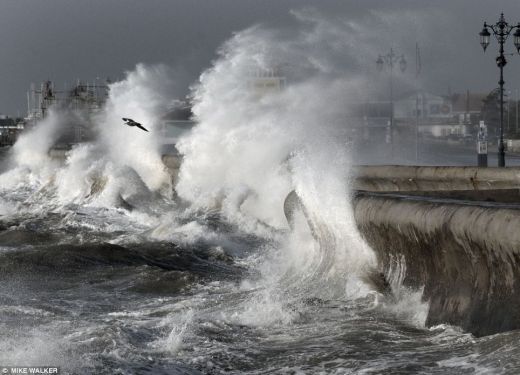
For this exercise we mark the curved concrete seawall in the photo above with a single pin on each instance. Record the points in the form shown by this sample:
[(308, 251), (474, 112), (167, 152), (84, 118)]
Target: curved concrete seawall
[(393, 178), (466, 256), (456, 233), (452, 232), (413, 178)]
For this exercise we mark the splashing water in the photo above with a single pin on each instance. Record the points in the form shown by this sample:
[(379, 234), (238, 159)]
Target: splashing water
[(120, 160), (245, 162), (135, 275)]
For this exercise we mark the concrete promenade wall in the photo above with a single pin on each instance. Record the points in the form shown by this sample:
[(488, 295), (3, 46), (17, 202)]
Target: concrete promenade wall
[(394, 178), (391, 178), (466, 256), (453, 232)]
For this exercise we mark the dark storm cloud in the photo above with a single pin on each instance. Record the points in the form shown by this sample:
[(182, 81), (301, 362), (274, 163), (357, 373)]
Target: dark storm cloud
[(63, 40)]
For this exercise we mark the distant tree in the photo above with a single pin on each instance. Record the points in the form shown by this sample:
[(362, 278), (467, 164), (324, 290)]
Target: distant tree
[(491, 113), (512, 131)]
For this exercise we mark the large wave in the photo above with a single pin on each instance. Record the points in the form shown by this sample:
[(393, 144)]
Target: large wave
[(119, 162), (271, 117), (252, 146)]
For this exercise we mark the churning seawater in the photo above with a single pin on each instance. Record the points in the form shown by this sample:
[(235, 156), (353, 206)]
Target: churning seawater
[(92, 290), (111, 265)]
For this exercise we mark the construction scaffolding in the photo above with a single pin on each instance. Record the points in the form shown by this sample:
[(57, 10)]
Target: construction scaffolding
[(81, 97)]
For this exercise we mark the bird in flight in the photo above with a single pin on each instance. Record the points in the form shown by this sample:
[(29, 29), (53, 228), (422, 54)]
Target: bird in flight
[(130, 122)]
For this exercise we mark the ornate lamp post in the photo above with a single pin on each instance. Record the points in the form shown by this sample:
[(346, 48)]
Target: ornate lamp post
[(390, 59), (501, 30)]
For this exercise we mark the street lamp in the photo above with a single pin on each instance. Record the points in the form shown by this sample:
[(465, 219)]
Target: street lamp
[(501, 30), (390, 59)]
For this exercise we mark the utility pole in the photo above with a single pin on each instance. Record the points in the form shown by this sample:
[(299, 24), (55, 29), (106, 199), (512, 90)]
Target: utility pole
[(417, 71), (390, 59), (516, 123), (501, 31)]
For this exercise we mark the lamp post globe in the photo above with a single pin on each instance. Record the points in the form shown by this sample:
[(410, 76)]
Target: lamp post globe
[(516, 38), (484, 37), (379, 63), (402, 64), (390, 59)]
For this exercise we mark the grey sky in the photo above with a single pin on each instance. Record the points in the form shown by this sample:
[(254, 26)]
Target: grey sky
[(63, 40)]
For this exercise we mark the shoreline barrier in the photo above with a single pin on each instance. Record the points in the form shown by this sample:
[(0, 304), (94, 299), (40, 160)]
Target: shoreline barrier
[(397, 178), (418, 178), (465, 256), (452, 232)]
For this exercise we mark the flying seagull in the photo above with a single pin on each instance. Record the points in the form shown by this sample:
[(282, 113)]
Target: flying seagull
[(130, 122)]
